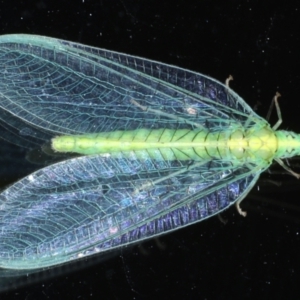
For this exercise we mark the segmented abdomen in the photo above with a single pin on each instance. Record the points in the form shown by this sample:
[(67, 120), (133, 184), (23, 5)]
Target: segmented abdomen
[(182, 144)]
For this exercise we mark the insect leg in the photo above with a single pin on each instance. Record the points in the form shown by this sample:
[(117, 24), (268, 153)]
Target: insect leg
[(251, 118), (275, 101), (287, 168), (159, 112), (227, 81), (150, 184), (238, 208)]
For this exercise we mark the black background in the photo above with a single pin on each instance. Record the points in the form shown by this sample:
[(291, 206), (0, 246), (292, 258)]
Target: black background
[(258, 43)]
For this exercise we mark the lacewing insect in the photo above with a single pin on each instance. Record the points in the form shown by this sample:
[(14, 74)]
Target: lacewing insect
[(161, 148)]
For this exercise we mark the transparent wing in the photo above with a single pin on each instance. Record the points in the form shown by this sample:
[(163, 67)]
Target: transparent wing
[(68, 88), (92, 204)]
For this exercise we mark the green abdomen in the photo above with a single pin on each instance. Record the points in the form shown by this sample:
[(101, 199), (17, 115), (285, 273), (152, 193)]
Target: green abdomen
[(183, 144)]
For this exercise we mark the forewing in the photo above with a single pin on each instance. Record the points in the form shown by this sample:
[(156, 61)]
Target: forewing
[(92, 204), (68, 88)]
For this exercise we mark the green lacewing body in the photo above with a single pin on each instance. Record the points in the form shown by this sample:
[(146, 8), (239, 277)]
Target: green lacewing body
[(161, 148)]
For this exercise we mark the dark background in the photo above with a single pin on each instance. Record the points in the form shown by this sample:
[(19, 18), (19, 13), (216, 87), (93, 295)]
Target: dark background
[(258, 43)]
